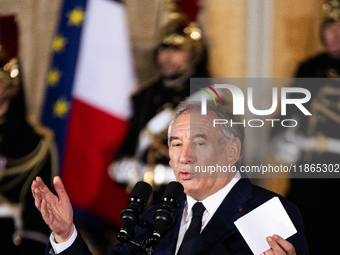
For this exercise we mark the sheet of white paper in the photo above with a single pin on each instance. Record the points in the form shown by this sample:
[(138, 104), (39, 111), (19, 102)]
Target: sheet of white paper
[(266, 220)]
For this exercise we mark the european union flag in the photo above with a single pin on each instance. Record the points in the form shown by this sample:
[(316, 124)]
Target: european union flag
[(61, 74)]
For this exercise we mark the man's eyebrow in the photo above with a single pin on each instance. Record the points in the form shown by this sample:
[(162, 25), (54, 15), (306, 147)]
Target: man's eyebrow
[(202, 135), (173, 138)]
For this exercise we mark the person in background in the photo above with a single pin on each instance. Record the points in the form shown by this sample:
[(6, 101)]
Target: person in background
[(318, 198), (23, 154)]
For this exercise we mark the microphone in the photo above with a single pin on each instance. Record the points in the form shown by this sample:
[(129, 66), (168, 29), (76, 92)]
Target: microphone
[(163, 216), (130, 216)]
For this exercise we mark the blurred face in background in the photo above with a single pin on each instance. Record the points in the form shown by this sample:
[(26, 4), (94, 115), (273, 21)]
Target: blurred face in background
[(331, 36), (174, 61)]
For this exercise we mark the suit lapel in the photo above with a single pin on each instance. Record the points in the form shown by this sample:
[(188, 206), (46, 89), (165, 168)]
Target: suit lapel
[(221, 224)]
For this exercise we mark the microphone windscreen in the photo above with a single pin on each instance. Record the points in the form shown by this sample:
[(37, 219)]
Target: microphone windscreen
[(142, 190), (174, 190)]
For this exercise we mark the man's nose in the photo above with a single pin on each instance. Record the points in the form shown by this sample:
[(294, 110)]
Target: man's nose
[(186, 156)]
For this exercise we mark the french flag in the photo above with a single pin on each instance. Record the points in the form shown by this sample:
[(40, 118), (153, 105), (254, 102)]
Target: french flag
[(88, 102)]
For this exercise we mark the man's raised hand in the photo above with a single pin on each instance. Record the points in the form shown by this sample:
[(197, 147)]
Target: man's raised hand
[(57, 210)]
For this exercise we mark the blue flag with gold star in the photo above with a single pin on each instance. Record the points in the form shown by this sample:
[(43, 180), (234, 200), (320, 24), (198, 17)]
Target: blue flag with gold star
[(60, 77)]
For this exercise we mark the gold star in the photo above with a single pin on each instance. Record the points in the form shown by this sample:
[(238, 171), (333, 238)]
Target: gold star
[(61, 108), (76, 17), (53, 77), (59, 43)]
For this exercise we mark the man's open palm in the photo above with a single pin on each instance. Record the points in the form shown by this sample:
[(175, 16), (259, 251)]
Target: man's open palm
[(57, 210)]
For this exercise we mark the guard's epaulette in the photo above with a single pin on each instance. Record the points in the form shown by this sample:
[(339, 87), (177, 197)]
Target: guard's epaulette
[(47, 135), (145, 85), (40, 129)]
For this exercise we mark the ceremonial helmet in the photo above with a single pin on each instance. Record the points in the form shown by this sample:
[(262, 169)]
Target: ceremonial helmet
[(182, 30), (9, 71), (331, 11), (9, 66)]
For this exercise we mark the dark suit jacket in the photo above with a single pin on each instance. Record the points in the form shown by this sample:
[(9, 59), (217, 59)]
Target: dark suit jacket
[(220, 236)]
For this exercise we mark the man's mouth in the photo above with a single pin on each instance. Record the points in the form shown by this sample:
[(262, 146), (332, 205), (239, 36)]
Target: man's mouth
[(185, 175)]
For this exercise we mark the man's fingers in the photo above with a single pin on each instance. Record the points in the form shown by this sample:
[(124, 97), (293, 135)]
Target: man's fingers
[(33, 187), (42, 186), (44, 211), (275, 247), (36, 193), (37, 198), (38, 181), (280, 246), (59, 188), (49, 208), (268, 252), (287, 246)]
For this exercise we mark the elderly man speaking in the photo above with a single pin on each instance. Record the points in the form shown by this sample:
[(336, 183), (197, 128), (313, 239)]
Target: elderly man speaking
[(204, 221)]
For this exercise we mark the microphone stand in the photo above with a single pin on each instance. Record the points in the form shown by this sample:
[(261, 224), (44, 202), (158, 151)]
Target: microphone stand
[(150, 250), (147, 244)]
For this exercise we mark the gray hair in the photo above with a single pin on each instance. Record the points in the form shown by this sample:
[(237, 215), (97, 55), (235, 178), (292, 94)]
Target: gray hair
[(227, 133)]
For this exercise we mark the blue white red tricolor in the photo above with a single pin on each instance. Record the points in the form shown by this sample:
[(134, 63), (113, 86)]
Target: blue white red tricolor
[(87, 102)]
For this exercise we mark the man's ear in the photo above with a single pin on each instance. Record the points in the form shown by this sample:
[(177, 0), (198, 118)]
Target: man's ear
[(234, 151)]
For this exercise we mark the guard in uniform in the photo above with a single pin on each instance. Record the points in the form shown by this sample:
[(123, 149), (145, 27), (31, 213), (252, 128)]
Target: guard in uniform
[(180, 56), (318, 199), (24, 154)]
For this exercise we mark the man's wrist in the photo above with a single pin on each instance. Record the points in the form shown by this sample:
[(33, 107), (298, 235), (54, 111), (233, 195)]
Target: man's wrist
[(64, 238), (59, 247)]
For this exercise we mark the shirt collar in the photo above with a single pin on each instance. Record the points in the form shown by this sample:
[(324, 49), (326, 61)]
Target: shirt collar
[(212, 202)]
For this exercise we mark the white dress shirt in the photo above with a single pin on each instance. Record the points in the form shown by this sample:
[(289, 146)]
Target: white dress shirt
[(211, 205)]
